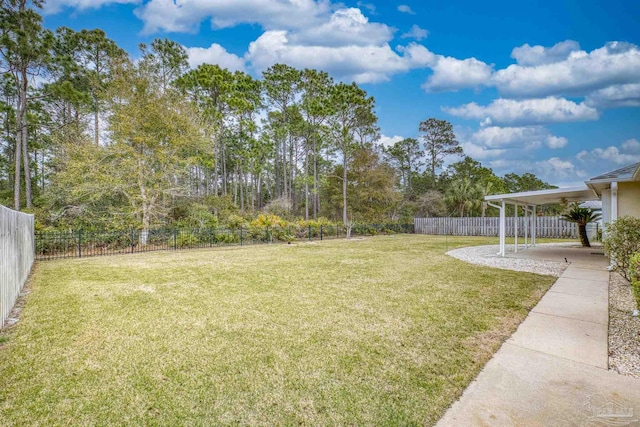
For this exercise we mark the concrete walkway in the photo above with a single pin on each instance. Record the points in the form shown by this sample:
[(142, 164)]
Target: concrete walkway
[(553, 369)]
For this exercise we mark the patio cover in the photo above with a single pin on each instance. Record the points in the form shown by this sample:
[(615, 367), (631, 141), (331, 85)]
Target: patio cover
[(529, 200)]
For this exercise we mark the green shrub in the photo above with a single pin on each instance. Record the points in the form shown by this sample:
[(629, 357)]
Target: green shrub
[(185, 240), (227, 237), (235, 222), (622, 241), (197, 215), (634, 270)]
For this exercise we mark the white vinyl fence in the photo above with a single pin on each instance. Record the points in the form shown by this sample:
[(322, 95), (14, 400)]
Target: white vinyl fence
[(546, 226), (16, 257)]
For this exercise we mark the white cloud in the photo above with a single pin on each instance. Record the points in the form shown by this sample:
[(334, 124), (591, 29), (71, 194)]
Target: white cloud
[(54, 6), (616, 63), (345, 27), (418, 55), (628, 152), (344, 43), (406, 9), (186, 15), (631, 146), (526, 112), (214, 54), (555, 142), (369, 6), (415, 33), (615, 96), (480, 152), (554, 170), (507, 142), (519, 137), (388, 141), (451, 74), (537, 55), (364, 64)]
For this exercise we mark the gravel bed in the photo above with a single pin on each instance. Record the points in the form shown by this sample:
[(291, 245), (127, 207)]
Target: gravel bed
[(624, 330), (487, 256)]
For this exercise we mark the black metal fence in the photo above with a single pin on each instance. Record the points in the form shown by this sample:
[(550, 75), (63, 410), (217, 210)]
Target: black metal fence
[(78, 244)]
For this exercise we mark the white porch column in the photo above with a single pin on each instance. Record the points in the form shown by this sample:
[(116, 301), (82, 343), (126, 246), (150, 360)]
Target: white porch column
[(614, 201), (503, 229), (515, 230), (526, 226), (533, 225)]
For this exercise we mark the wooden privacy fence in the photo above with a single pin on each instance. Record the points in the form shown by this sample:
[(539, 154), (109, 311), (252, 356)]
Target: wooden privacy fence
[(546, 226), (16, 257)]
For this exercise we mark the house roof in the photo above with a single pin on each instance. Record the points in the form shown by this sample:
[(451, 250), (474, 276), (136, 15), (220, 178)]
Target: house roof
[(592, 204), (545, 197), (627, 173)]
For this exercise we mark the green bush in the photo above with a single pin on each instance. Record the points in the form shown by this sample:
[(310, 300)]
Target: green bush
[(235, 222), (622, 241), (634, 270), (185, 240), (227, 237)]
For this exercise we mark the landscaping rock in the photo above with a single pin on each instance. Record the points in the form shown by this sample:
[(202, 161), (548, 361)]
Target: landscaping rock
[(624, 328)]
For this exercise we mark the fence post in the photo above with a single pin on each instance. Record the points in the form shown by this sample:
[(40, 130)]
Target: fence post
[(133, 239), (80, 243), (320, 232), (175, 239), (241, 237), (309, 233)]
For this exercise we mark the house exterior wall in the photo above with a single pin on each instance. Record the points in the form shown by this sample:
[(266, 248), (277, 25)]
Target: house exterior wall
[(628, 199)]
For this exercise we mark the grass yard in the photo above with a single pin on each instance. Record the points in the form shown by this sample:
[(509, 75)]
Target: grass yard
[(376, 331)]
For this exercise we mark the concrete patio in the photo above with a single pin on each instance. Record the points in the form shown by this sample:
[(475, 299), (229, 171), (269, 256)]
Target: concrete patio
[(553, 371)]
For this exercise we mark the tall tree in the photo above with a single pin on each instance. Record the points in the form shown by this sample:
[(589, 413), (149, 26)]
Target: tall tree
[(153, 134), (166, 61), (371, 189), (211, 89), (98, 55), (316, 110), (24, 49), (353, 110), (406, 156), (244, 104), (526, 182), (282, 85), (439, 141)]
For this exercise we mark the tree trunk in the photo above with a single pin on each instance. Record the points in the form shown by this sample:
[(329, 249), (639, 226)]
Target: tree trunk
[(316, 196), (284, 168), (26, 166), (344, 190), (16, 180), (584, 239)]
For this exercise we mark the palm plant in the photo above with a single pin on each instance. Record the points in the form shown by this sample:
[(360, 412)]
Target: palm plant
[(463, 196), (582, 217)]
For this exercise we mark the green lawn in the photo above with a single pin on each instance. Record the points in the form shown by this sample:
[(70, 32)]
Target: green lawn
[(376, 331)]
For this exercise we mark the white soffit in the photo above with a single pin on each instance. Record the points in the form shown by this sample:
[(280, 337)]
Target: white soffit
[(546, 197)]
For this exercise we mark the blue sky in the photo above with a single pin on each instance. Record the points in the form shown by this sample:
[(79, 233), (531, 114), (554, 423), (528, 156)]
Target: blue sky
[(548, 87)]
